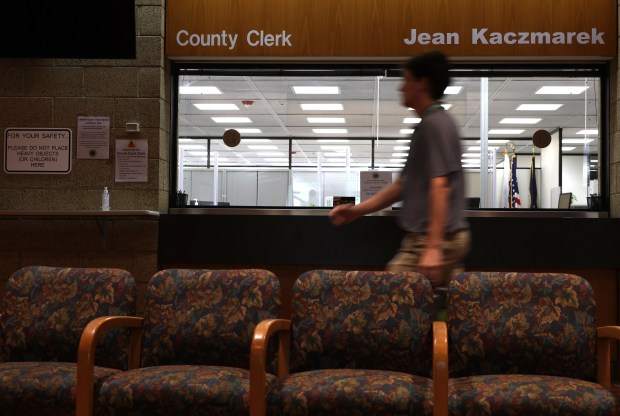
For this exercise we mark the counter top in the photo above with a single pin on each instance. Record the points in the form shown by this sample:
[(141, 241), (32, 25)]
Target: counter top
[(81, 214)]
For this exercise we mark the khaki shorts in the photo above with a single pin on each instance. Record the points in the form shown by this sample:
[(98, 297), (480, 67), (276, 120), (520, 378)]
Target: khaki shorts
[(455, 247)]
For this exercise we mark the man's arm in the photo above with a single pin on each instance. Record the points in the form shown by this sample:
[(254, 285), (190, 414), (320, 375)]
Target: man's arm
[(343, 214)]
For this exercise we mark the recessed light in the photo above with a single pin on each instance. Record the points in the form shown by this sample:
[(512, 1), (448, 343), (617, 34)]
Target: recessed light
[(231, 120), (333, 140), (471, 155), (262, 147), (322, 107), (576, 141), (397, 160), (216, 106), (401, 147), (316, 90), (561, 90), (538, 107), (246, 131), (446, 106), (454, 89), (403, 141), (519, 120), (262, 154), (471, 161), (199, 90), (506, 131), (400, 154), (330, 131), (326, 120), (411, 120), (588, 131), (406, 131)]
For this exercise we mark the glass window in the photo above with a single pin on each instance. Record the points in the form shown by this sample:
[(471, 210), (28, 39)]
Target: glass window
[(306, 134)]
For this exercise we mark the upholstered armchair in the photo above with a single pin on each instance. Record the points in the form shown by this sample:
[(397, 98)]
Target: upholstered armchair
[(45, 310), (194, 345), (523, 344), (357, 343)]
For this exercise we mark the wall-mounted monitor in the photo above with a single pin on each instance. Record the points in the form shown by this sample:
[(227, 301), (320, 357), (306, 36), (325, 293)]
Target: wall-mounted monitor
[(69, 29)]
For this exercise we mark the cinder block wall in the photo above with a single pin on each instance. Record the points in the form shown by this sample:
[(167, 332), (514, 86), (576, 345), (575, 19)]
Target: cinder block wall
[(52, 93), (46, 93)]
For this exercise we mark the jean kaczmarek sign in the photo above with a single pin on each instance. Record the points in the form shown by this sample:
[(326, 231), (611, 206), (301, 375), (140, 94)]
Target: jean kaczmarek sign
[(309, 29)]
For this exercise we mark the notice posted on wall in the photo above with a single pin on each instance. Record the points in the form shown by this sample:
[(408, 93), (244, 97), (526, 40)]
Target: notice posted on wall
[(372, 182), (93, 138), (131, 163), (37, 151)]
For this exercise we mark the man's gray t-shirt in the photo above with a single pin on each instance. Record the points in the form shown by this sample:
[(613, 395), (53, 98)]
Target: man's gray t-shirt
[(435, 151)]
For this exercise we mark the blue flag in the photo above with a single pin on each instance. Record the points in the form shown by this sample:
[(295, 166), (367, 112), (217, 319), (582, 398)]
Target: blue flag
[(515, 200), (533, 189)]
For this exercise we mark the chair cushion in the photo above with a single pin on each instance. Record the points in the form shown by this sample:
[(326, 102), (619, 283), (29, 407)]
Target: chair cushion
[(521, 323), (350, 392), (517, 394), (362, 319), (177, 390), (41, 388)]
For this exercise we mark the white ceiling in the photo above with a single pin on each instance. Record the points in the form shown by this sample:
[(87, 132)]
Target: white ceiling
[(374, 117)]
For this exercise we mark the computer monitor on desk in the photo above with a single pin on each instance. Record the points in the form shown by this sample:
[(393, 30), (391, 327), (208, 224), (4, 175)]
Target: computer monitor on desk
[(565, 200)]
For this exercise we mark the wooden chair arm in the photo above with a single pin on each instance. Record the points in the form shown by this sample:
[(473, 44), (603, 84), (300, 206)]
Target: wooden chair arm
[(440, 368), (258, 360), (605, 335), (84, 393)]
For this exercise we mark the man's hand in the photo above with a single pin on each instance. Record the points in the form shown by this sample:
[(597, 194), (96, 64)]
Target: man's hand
[(431, 265), (342, 214)]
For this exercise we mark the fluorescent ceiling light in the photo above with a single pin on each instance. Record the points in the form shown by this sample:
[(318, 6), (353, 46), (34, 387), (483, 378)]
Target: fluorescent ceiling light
[(406, 131), (262, 154), (335, 148), (454, 89), (495, 141), (471, 161), (397, 160), (446, 106), (538, 107), (401, 147), (506, 131), (594, 160), (199, 90), (330, 131), (471, 155), (519, 120), (255, 140), (326, 120), (322, 107), (411, 120), (246, 131), (403, 140), (400, 154), (262, 147), (561, 90), (216, 106), (316, 90), (576, 141), (588, 131), (333, 140), (568, 148), (231, 120)]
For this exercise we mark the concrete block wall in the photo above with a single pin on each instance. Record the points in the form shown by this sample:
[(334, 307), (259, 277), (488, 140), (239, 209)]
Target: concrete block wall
[(52, 93), (125, 242)]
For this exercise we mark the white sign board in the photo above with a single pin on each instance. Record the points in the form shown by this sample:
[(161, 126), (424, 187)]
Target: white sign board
[(93, 138), (41, 151), (131, 160), (372, 182)]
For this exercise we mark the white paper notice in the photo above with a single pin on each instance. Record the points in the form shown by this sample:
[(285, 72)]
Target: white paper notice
[(372, 182), (131, 163), (93, 138)]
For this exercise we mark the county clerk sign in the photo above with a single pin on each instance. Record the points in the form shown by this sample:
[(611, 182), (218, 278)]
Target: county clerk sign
[(474, 29)]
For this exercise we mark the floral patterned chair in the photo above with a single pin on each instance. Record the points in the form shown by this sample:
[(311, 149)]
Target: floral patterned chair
[(359, 343), (45, 310), (195, 342), (524, 344)]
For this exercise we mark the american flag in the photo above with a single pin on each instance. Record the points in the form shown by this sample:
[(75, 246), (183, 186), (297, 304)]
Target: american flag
[(515, 201)]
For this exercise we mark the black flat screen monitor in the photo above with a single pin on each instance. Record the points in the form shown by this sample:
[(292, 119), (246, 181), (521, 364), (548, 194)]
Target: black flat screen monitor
[(68, 29)]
